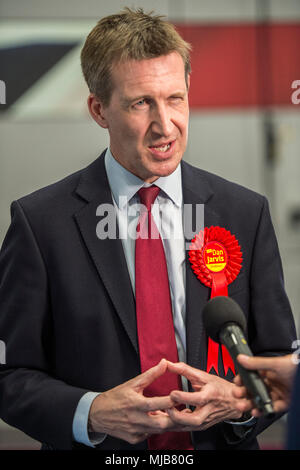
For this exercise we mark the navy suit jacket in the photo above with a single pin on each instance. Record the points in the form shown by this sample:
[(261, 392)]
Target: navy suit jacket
[(67, 309)]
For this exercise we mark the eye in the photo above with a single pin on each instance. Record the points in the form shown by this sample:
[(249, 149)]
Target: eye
[(176, 99), (142, 103)]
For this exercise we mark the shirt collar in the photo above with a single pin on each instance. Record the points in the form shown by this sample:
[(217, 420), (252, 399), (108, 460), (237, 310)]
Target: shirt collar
[(124, 184)]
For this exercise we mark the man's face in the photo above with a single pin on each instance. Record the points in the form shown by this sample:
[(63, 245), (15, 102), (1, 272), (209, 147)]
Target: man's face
[(147, 117)]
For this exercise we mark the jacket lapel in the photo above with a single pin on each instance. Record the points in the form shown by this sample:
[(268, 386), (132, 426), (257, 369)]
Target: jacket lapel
[(107, 255), (196, 190)]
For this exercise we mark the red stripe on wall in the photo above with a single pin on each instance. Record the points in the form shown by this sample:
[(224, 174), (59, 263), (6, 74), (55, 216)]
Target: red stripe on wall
[(243, 65)]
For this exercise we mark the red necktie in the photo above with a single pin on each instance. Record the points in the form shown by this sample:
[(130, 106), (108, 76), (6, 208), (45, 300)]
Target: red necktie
[(155, 326)]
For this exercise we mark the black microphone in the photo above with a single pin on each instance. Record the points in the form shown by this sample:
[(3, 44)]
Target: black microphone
[(225, 323)]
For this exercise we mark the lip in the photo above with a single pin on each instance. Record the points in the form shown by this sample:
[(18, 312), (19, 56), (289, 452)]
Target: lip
[(162, 155)]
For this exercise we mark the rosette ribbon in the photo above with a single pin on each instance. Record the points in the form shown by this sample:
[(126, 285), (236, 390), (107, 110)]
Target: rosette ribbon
[(216, 259)]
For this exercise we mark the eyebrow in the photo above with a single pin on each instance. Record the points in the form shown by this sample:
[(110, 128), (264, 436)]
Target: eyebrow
[(126, 101)]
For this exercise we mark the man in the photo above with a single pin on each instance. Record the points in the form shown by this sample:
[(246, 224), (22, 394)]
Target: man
[(87, 318)]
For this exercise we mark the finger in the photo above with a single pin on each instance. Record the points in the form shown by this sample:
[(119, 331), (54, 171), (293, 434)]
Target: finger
[(237, 380), (189, 372), (188, 398), (256, 413), (159, 422), (240, 392), (173, 426), (157, 403), (190, 421), (146, 378), (153, 422), (179, 417), (157, 413), (255, 362), (244, 405), (279, 406)]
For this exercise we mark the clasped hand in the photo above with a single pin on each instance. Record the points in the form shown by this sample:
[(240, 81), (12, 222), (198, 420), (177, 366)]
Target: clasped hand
[(125, 413)]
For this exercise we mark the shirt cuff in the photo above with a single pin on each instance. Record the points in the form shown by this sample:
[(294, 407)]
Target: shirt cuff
[(80, 422), (249, 422)]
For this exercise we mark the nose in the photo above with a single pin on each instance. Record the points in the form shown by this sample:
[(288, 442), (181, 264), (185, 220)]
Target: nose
[(162, 121)]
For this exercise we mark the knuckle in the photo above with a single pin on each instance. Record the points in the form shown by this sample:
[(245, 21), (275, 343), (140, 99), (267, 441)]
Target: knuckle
[(157, 426), (160, 427), (132, 440), (146, 405), (132, 435), (131, 430)]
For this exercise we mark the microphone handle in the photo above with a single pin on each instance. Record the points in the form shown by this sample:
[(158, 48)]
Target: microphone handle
[(233, 338)]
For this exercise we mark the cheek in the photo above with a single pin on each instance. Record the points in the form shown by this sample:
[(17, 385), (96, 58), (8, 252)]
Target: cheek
[(183, 122), (137, 133), (121, 134), (131, 129), (180, 119)]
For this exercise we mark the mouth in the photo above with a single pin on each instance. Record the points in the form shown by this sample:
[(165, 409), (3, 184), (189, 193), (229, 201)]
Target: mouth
[(163, 149)]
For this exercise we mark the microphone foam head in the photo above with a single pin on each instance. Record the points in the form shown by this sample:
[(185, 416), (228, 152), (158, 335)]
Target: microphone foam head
[(219, 311)]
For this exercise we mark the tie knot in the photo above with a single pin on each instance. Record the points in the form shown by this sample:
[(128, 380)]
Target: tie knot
[(148, 195)]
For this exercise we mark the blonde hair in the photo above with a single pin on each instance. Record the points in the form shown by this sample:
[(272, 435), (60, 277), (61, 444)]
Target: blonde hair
[(128, 35)]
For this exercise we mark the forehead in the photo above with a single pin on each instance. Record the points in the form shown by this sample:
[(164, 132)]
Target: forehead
[(149, 75)]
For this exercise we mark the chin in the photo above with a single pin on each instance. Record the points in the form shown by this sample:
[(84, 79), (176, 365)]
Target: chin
[(165, 169)]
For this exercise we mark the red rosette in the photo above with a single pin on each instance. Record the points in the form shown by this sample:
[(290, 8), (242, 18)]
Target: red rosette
[(230, 243), (216, 259)]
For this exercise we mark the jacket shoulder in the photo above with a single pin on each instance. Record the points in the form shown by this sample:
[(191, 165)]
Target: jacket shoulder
[(51, 192), (223, 188), (63, 193)]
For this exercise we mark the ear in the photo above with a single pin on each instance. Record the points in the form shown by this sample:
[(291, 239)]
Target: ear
[(96, 110)]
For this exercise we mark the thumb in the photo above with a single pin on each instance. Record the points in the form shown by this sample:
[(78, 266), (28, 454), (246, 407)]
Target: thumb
[(255, 362)]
